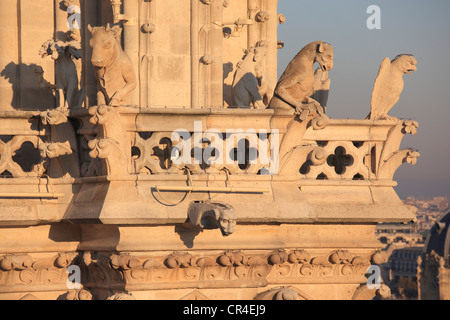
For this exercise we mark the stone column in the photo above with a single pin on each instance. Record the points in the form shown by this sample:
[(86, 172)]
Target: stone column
[(60, 21), (89, 15), (195, 57), (252, 38), (272, 40), (131, 39), (9, 58), (147, 21), (216, 35)]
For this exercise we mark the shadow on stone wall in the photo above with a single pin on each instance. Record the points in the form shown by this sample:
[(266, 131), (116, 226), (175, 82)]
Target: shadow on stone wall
[(32, 91)]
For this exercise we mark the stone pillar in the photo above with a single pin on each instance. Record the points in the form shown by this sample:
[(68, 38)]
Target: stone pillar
[(195, 56), (252, 38), (60, 21), (9, 58), (216, 35), (89, 15), (146, 55), (131, 40), (272, 40)]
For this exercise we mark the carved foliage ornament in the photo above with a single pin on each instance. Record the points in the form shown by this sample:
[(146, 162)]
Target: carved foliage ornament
[(23, 269), (237, 265)]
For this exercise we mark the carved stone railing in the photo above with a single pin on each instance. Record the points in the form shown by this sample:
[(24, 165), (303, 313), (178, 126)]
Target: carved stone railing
[(361, 150), (126, 165), (299, 166), (38, 166)]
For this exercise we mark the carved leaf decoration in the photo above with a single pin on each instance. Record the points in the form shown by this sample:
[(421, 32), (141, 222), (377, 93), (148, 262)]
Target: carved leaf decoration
[(27, 276), (410, 127), (261, 271), (306, 270), (54, 150), (191, 273), (241, 271)]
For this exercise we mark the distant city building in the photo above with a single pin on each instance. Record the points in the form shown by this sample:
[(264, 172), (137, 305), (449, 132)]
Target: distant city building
[(434, 265)]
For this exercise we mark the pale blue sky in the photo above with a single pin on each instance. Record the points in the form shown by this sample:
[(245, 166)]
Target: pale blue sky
[(418, 27)]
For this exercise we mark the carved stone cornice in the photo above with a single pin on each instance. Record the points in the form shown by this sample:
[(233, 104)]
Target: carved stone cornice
[(226, 269), (22, 272)]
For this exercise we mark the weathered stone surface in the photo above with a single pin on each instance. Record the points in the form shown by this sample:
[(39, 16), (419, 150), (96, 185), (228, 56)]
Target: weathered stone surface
[(150, 187)]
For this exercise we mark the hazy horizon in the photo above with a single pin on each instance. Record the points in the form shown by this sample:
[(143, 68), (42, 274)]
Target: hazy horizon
[(407, 26)]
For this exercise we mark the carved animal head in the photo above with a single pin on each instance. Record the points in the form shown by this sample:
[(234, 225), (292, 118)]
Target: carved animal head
[(105, 45), (406, 63), (58, 49), (227, 219), (324, 55), (257, 53), (50, 48)]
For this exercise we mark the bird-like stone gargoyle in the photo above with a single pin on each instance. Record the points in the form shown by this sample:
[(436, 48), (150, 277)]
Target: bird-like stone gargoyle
[(211, 215), (296, 85), (389, 85)]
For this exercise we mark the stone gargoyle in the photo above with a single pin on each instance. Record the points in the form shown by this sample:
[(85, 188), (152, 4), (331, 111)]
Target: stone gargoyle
[(114, 70), (67, 76), (389, 85), (211, 215), (250, 82), (296, 86)]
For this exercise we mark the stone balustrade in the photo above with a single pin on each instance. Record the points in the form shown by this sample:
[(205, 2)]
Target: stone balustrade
[(272, 159)]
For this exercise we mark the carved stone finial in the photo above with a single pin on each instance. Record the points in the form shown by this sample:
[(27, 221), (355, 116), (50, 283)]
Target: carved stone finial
[(410, 126), (262, 16), (148, 27), (54, 117), (389, 85), (411, 156), (54, 150), (207, 59)]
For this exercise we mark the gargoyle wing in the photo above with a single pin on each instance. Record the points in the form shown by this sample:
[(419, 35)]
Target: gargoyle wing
[(379, 89)]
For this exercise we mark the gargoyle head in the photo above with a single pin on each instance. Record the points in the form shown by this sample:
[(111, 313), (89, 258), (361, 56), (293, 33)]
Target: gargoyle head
[(405, 63), (49, 48), (324, 56), (105, 45), (211, 215), (227, 219)]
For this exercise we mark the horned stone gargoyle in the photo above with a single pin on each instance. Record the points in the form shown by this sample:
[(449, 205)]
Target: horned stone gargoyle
[(114, 70), (249, 83), (211, 215), (296, 85), (389, 85)]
